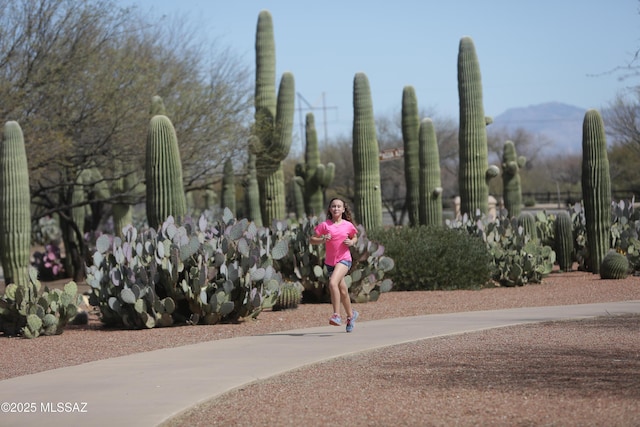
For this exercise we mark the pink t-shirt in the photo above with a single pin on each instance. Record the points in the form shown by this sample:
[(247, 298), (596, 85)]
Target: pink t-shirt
[(336, 250)]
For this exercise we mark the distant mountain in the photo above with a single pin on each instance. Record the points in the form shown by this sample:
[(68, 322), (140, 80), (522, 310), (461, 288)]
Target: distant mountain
[(558, 124)]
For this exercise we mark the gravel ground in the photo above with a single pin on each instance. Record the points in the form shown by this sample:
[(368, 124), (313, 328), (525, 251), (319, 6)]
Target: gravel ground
[(578, 373)]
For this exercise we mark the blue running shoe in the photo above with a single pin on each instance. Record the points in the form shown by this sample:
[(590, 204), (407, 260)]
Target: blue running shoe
[(335, 320), (351, 321)]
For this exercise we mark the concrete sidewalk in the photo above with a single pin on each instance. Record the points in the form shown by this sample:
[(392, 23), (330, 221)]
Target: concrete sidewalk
[(146, 389)]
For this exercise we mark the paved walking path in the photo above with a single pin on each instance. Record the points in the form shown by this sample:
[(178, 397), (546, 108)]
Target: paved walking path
[(146, 389)]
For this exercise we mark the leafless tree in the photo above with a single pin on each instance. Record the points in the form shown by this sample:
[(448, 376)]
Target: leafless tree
[(79, 78)]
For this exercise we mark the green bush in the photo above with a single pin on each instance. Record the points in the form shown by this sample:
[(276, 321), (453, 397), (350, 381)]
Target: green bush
[(434, 258)]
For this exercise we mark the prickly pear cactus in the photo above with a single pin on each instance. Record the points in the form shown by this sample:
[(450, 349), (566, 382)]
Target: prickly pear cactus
[(410, 138), (596, 189), (202, 272), (163, 173), (430, 185), (564, 241), (272, 130), (474, 172), (366, 164), (366, 280), (25, 311), (15, 206), (511, 189), (625, 232)]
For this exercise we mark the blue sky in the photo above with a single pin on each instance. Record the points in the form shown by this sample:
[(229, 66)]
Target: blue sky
[(530, 52)]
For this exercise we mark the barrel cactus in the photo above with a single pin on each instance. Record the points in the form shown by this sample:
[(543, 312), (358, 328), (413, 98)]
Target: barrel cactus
[(564, 241), (163, 172), (289, 297), (410, 137), (15, 206), (614, 266), (474, 173), (430, 185), (511, 188), (366, 163), (596, 189), (272, 131)]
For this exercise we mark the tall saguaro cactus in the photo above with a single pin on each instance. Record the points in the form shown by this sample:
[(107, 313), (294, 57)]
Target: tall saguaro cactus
[(15, 206), (163, 173), (430, 183), (366, 160), (596, 188), (410, 136), (228, 199), (475, 173), (252, 192), (123, 189), (272, 133), (313, 176), (511, 188)]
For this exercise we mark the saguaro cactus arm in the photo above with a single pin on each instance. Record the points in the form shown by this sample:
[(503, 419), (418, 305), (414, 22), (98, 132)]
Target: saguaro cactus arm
[(511, 188)]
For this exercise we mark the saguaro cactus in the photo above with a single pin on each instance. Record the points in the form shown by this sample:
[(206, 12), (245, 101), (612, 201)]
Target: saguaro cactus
[(252, 192), (298, 195), (366, 161), (163, 173), (81, 210), (157, 106), (596, 189), (313, 176), (511, 189), (123, 188), (410, 136), (228, 199), (475, 173), (430, 184), (272, 133), (564, 241), (15, 206)]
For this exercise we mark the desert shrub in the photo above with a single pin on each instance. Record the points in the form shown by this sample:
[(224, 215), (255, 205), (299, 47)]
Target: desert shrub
[(434, 258)]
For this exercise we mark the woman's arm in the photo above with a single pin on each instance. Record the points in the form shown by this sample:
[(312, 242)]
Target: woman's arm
[(318, 239)]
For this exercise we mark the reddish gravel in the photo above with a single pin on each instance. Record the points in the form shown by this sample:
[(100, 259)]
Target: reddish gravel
[(564, 373)]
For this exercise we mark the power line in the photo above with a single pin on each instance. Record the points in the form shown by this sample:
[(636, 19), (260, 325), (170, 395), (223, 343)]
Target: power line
[(311, 108)]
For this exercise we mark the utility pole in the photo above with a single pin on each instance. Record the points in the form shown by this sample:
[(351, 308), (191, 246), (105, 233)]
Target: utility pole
[(311, 108)]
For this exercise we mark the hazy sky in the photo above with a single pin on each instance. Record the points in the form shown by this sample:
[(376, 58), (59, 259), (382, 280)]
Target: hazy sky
[(530, 52)]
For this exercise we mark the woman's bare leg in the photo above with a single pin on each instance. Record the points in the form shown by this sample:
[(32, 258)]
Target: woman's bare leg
[(338, 289)]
